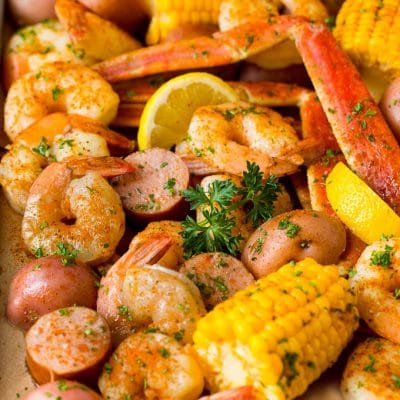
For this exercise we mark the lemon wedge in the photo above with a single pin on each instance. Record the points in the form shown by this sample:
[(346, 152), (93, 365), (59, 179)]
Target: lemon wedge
[(167, 114), (359, 207)]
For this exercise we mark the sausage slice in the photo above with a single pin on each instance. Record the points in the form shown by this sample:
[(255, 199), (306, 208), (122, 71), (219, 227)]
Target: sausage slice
[(65, 390), (69, 343), (152, 191)]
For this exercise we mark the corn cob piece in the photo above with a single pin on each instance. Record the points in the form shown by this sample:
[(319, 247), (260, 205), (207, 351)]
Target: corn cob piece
[(368, 30), (169, 14), (279, 334)]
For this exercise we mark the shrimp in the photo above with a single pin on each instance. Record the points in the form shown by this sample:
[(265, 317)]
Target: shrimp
[(79, 37), (54, 137), (162, 299), (98, 38), (82, 216), (372, 371), (376, 282), (159, 243), (228, 135), (58, 86), (151, 366), (33, 46)]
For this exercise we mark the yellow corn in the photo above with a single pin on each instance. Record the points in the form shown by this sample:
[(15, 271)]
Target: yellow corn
[(169, 14), (368, 30), (280, 334)]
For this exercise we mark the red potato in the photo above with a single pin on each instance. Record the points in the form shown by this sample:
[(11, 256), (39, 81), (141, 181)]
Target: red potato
[(46, 284), (128, 14), (294, 235), (390, 106), (69, 343), (26, 12), (217, 275), (152, 191), (63, 390)]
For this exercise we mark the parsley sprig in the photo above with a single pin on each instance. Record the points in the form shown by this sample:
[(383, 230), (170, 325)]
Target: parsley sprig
[(258, 196), (214, 232)]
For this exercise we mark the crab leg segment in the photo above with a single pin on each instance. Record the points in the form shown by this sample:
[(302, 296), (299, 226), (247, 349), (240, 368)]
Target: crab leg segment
[(222, 48), (364, 137)]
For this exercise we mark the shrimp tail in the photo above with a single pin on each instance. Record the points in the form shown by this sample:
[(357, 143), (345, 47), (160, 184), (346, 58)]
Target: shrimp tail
[(105, 166)]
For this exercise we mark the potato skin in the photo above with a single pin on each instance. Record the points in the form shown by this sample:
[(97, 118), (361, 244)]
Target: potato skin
[(390, 106), (26, 12), (128, 14), (293, 236), (46, 284)]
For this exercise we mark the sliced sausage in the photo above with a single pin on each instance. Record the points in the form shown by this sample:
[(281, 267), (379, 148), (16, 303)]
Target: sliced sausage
[(292, 236), (69, 343), (47, 284), (152, 191), (217, 275), (63, 390)]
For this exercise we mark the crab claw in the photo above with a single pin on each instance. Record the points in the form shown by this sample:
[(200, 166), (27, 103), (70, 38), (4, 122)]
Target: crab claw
[(105, 166), (363, 135), (222, 48)]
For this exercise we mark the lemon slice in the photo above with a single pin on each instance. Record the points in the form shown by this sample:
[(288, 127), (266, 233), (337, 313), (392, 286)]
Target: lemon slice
[(359, 207), (167, 114)]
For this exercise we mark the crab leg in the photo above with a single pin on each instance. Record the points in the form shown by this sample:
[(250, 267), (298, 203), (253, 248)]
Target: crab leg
[(222, 48), (364, 137)]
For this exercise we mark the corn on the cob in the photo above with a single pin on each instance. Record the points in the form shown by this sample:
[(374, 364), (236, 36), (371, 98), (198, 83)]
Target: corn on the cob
[(169, 14), (280, 334), (368, 30)]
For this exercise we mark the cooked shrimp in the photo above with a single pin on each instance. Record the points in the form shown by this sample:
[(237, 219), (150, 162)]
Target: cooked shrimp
[(83, 215), (159, 243), (54, 137), (81, 37), (228, 135), (58, 86), (33, 46), (166, 300), (376, 282), (373, 371), (98, 38), (151, 366)]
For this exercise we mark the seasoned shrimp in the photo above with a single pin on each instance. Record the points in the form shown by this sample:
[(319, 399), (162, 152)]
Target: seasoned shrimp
[(151, 366), (35, 45), (166, 300), (159, 243), (98, 38), (373, 371), (228, 135), (83, 215), (79, 37), (54, 137), (376, 282), (58, 86)]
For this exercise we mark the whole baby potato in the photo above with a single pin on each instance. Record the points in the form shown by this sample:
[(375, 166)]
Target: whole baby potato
[(47, 284), (294, 235), (390, 106), (27, 12)]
